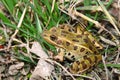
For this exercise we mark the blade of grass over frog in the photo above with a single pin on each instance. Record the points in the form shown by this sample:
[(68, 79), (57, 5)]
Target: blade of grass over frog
[(38, 24), (49, 46), (108, 16)]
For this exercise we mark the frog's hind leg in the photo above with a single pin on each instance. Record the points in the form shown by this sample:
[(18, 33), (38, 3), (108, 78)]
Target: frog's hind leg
[(85, 63), (82, 31)]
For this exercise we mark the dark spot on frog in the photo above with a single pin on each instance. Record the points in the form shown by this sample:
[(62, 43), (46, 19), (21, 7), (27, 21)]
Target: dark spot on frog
[(73, 57), (84, 65), (65, 32), (75, 40), (82, 49), (98, 47), (90, 47), (78, 62), (96, 59), (69, 54), (67, 43), (87, 58), (59, 42), (85, 40), (70, 30), (62, 34), (93, 42), (75, 47), (79, 36), (53, 37), (95, 52), (86, 34), (87, 53), (82, 33), (62, 27)]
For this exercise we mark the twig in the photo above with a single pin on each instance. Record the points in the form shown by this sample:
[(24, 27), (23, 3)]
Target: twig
[(106, 70), (16, 31), (109, 16), (53, 4), (97, 77), (107, 41)]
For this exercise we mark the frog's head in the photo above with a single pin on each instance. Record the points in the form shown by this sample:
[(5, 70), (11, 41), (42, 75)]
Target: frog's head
[(51, 35)]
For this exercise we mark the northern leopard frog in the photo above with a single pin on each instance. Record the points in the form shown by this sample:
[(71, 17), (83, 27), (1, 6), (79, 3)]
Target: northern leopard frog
[(75, 44)]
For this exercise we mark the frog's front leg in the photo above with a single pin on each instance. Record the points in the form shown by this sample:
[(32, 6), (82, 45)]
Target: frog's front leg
[(60, 56)]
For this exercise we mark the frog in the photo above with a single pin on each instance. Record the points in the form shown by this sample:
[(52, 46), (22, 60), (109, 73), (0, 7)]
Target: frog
[(76, 44)]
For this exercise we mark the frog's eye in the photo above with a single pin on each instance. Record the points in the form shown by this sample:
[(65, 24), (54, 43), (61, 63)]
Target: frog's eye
[(53, 37)]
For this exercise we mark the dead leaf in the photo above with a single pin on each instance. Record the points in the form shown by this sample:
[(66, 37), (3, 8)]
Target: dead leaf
[(25, 70), (43, 70), (2, 68), (37, 50), (14, 69)]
